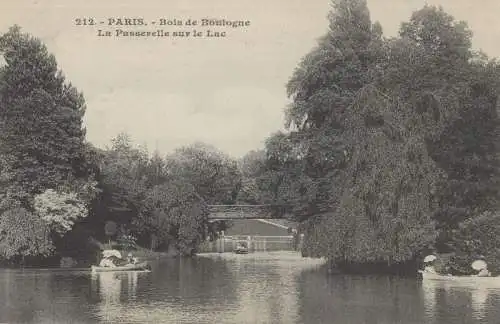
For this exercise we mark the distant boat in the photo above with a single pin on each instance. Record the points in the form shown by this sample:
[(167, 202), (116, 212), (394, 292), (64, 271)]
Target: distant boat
[(241, 248)]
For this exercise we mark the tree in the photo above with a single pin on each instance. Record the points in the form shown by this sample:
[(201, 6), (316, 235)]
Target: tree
[(214, 175), (42, 143), (173, 213), (161, 201), (23, 234), (476, 238), (385, 210), (468, 152), (252, 166), (123, 179), (60, 210), (442, 38), (42, 148), (322, 87), (156, 171), (466, 85)]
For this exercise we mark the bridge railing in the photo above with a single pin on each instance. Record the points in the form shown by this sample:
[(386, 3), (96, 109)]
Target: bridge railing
[(222, 212), (286, 238), (255, 243)]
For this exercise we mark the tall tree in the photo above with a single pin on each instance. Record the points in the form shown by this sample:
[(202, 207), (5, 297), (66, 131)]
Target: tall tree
[(322, 87), (42, 144), (463, 85), (42, 147)]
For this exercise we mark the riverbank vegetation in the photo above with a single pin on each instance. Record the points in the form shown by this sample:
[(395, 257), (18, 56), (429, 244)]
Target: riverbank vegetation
[(391, 152), (61, 197)]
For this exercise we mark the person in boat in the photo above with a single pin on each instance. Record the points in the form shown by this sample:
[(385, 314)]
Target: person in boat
[(241, 246), (429, 262), (484, 273), (131, 259), (481, 267), (429, 268), (111, 261), (107, 262)]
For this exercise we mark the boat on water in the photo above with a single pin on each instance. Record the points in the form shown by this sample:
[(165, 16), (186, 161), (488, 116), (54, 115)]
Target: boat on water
[(113, 261), (428, 276), (143, 266), (241, 248), (484, 276)]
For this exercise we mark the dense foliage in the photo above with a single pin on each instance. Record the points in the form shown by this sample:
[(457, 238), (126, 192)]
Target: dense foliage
[(42, 149), (391, 149), (23, 234), (59, 193), (162, 201), (59, 211)]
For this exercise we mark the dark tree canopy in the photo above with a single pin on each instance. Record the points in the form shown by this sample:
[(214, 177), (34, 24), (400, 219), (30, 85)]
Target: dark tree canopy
[(392, 143), (43, 154), (43, 139)]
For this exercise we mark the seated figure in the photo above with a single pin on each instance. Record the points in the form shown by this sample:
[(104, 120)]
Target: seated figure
[(484, 273), (131, 259), (106, 262), (430, 269)]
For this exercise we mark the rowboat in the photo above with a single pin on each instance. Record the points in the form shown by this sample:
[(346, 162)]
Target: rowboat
[(473, 280), (128, 267), (241, 248), (241, 251)]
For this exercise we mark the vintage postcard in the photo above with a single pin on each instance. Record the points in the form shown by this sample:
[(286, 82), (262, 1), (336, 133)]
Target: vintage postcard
[(231, 161)]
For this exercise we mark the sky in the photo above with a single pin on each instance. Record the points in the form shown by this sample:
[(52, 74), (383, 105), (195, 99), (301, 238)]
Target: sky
[(228, 91)]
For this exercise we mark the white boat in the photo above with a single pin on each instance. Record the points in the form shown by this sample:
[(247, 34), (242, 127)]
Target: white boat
[(241, 248), (490, 281), (128, 267)]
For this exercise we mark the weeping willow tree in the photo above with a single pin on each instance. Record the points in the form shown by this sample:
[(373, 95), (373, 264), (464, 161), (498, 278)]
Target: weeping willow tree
[(384, 213)]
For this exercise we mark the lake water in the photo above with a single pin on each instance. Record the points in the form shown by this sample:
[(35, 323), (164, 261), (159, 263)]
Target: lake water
[(277, 287)]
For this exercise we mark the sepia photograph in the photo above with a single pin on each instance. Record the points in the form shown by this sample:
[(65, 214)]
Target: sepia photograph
[(250, 162)]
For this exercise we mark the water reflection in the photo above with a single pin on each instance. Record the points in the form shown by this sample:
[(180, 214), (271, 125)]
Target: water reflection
[(110, 287), (358, 299), (429, 292), (275, 295), (258, 288), (116, 291), (467, 302), (132, 278), (43, 296), (267, 286), (175, 291), (479, 300)]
